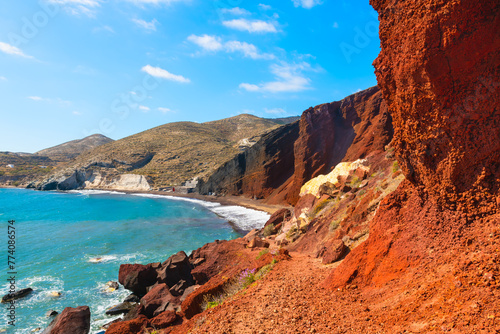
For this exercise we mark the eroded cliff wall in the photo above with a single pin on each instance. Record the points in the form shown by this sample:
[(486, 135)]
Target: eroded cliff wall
[(439, 71), (282, 161)]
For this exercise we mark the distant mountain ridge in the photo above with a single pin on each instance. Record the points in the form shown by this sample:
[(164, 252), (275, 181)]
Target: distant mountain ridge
[(72, 149), (18, 168), (167, 155)]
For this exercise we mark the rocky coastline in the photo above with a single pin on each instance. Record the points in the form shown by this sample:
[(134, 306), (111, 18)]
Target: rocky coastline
[(399, 239)]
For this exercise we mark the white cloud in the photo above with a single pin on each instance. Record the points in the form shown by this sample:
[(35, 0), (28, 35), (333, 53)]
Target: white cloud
[(206, 42), (12, 50), (257, 26), (250, 87), (214, 43), (308, 4), (144, 108), (265, 7), (77, 113), (146, 25), (164, 110), (275, 111), (289, 78), (80, 69), (89, 7), (3, 79), (57, 100), (248, 50), (235, 11), (164, 74), (104, 29), (78, 7), (155, 2)]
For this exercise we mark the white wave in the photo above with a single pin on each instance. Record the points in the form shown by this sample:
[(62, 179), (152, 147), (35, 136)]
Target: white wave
[(244, 218), (95, 192), (113, 258), (183, 199)]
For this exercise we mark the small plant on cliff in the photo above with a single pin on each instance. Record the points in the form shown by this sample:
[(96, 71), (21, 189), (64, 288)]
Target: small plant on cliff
[(395, 166), (213, 304), (262, 253), (355, 182), (320, 206), (268, 230), (335, 224), (247, 277)]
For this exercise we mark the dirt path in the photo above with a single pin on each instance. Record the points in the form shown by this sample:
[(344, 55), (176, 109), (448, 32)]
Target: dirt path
[(289, 300)]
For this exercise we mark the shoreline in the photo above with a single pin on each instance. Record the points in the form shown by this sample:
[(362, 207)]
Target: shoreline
[(223, 200)]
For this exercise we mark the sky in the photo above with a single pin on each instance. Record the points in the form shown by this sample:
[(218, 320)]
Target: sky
[(72, 68)]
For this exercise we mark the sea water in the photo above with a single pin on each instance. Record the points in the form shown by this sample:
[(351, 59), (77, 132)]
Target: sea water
[(73, 243)]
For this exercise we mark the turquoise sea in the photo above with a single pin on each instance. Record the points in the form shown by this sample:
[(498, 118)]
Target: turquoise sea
[(60, 236)]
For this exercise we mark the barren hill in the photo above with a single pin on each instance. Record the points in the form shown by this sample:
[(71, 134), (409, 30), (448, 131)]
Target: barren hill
[(173, 153), (71, 149)]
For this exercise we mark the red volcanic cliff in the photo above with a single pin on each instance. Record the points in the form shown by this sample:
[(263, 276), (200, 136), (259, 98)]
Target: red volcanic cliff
[(282, 161), (439, 71), (330, 133)]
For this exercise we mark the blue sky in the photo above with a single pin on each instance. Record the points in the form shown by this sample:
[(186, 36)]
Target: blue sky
[(71, 68)]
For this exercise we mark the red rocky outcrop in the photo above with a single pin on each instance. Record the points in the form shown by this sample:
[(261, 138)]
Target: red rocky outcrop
[(133, 326), (164, 319), (439, 71), (136, 277), (281, 162), (156, 301), (71, 320), (330, 133)]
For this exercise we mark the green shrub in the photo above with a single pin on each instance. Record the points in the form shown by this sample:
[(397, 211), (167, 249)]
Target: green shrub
[(247, 277), (355, 182), (213, 304), (268, 230), (320, 206), (291, 232), (335, 224), (395, 166), (262, 253)]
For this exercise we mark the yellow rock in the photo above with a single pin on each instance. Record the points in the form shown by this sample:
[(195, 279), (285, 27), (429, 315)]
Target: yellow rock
[(55, 294), (110, 290), (342, 169)]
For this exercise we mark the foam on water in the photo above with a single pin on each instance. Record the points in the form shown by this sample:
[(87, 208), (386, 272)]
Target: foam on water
[(245, 219), (95, 192), (113, 258)]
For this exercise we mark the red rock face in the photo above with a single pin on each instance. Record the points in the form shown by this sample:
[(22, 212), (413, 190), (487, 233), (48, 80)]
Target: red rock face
[(71, 320), (133, 326), (277, 166), (439, 71), (136, 277), (330, 133)]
